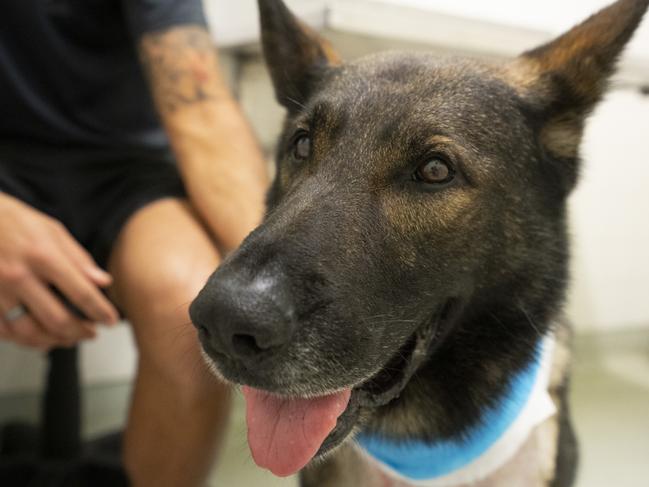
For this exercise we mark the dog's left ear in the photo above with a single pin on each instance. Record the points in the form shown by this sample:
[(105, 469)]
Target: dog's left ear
[(295, 54), (564, 79)]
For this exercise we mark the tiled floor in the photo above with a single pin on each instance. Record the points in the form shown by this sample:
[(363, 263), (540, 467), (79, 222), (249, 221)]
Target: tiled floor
[(610, 404)]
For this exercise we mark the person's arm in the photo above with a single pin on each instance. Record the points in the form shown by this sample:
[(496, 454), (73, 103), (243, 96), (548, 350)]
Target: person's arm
[(219, 159)]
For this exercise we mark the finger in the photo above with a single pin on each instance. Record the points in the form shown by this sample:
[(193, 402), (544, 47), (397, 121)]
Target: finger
[(83, 260), (90, 328), (81, 292), (26, 332), (31, 336), (50, 312)]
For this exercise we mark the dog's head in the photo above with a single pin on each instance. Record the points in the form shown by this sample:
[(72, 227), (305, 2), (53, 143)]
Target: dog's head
[(412, 193)]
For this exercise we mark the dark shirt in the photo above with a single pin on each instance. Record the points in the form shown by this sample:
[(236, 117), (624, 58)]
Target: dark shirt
[(70, 75)]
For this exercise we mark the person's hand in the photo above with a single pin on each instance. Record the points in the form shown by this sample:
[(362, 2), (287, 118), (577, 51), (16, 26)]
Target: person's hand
[(37, 254)]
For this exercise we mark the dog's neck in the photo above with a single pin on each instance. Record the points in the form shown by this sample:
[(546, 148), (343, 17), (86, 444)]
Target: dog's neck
[(502, 430)]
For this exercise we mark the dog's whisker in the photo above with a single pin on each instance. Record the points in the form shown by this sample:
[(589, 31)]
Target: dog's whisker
[(182, 330), (530, 321), (183, 305)]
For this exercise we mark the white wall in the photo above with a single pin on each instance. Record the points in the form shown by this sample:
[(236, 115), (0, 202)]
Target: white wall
[(236, 21), (553, 16), (610, 218)]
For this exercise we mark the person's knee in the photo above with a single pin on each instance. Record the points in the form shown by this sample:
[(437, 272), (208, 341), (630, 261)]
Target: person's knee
[(160, 262), (165, 336), (164, 300)]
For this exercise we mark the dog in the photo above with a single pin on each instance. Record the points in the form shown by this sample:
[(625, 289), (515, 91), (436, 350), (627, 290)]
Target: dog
[(397, 317)]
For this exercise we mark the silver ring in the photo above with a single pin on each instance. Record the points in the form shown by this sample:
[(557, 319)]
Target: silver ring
[(15, 313)]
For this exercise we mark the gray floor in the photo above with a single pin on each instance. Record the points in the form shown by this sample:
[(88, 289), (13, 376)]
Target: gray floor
[(610, 402)]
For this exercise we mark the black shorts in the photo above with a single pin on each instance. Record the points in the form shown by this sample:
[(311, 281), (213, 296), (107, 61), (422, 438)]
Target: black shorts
[(92, 192)]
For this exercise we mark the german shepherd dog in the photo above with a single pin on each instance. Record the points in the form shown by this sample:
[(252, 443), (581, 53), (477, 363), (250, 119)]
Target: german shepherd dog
[(403, 294)]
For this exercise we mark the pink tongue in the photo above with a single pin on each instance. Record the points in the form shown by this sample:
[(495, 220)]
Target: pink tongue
[(285, 434)]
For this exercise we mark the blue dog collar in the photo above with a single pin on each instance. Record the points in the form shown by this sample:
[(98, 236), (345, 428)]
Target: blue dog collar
[(501, 433)]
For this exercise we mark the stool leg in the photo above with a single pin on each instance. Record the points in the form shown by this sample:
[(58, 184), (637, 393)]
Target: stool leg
[(61, 407)]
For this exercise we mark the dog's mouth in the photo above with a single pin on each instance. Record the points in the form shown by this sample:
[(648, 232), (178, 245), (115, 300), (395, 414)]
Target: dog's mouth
[(285, 433)]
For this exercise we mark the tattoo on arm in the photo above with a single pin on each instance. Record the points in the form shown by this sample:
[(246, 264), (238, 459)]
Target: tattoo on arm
[(181, 65)]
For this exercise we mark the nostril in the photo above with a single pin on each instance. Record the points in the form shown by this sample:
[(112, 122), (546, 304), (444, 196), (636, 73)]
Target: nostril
[(245, 345)]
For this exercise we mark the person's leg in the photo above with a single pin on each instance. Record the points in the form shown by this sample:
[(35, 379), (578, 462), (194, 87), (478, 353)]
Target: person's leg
[(159, 262)]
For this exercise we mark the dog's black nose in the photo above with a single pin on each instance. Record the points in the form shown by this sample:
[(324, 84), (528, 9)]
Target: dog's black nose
[(244, 318)]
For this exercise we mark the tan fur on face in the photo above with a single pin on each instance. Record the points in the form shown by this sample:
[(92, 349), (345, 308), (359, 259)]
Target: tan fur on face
[(405, 214)]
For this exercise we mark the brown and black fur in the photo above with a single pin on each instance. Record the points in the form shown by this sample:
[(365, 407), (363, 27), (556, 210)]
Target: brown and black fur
[(356, 257)]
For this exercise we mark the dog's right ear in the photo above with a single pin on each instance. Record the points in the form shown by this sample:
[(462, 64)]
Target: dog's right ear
[(295, 54)]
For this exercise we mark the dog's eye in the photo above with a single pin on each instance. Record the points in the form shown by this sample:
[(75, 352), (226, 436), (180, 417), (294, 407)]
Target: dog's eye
[(434, 171), (302, 146)]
